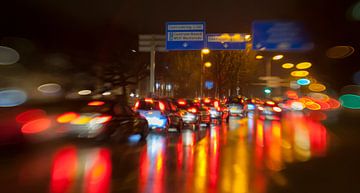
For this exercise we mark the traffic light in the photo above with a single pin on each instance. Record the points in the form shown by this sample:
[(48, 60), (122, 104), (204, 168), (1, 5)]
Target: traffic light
[(267, 90)]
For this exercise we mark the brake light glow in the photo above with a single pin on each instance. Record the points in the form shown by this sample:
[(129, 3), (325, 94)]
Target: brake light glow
[(149, 100), (137, 104), (206, 100), (101, 119), (277, 109), (192, 110), (181, 102), (216, 104), (96, 103), (161, 106), (36, 126), (67, 117)]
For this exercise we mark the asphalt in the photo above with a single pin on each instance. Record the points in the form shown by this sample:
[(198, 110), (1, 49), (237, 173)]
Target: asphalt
[(295, 154)]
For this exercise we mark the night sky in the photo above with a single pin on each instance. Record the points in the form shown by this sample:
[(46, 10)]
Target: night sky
[(86, 25)]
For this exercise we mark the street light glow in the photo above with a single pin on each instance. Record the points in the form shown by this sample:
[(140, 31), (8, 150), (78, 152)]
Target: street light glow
[(287, 65), (299, 73), (84, 92), (207, 64), (247, 37), (278, 57), (303, 65), (205, 51), (259, 57)]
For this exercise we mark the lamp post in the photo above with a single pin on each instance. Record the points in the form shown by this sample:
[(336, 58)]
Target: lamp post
[(204, 51)]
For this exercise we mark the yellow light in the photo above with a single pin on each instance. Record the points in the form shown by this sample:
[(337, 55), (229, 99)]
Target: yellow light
[(278, 57), (247, 37), (207, 64), (287, 65), (317, 87), (205, 51), (259, 57), (299, 73), (303, 65)]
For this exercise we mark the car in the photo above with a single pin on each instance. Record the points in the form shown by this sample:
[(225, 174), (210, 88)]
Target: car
[(236, 106), (269, 111), (103, 121), (215, 109), (161, 114), (193, 114), (94, 120)]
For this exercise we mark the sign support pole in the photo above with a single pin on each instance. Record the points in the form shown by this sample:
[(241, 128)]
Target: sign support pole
[(268, 68), (152, 70)]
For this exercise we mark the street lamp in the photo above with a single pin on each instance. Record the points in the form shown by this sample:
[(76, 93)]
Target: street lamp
[(277, 57), (203, 51), (207, 64), (287, 65), (259, 57)]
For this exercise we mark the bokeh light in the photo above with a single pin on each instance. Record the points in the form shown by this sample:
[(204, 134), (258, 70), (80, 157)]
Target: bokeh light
[(8, 56), (350, 89), (12, 97), (312, 105), (303, 65), (338, 52), (355, 11), (85, 92), (294, 85), (350, 101), (67, 117), (317, 87), (299, 73), (30, 115), (319, 96), (356, 77), (287, 65), (259, 57), (303, 81), (49, 88), (36, 126)]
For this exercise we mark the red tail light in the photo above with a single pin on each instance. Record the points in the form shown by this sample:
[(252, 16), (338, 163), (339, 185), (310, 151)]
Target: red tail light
[(192, 110), (137, 105), (161, 106), (181, 102), (96, 103)]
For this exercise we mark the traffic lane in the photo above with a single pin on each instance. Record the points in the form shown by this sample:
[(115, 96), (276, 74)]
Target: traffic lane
[(64, 166), (336, 172), (242, 156)]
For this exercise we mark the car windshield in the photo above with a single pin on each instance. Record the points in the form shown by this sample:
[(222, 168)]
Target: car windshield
[(143, 105)]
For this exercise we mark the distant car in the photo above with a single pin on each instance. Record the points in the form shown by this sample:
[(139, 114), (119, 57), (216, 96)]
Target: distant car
[(236, 107), (192, 113), (269, 111), (161, 114), (214, 107), (250, 106)]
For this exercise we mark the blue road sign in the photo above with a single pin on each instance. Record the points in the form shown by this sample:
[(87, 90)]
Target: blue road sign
[(209, 84), (280, 36), (226, 41), (185, 35)]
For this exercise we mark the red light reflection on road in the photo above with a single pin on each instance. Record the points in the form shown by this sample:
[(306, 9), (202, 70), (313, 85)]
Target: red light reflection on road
[(64, 170), (98, 172)]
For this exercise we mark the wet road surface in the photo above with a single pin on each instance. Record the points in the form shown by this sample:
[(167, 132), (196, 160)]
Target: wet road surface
[(245, 155)]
